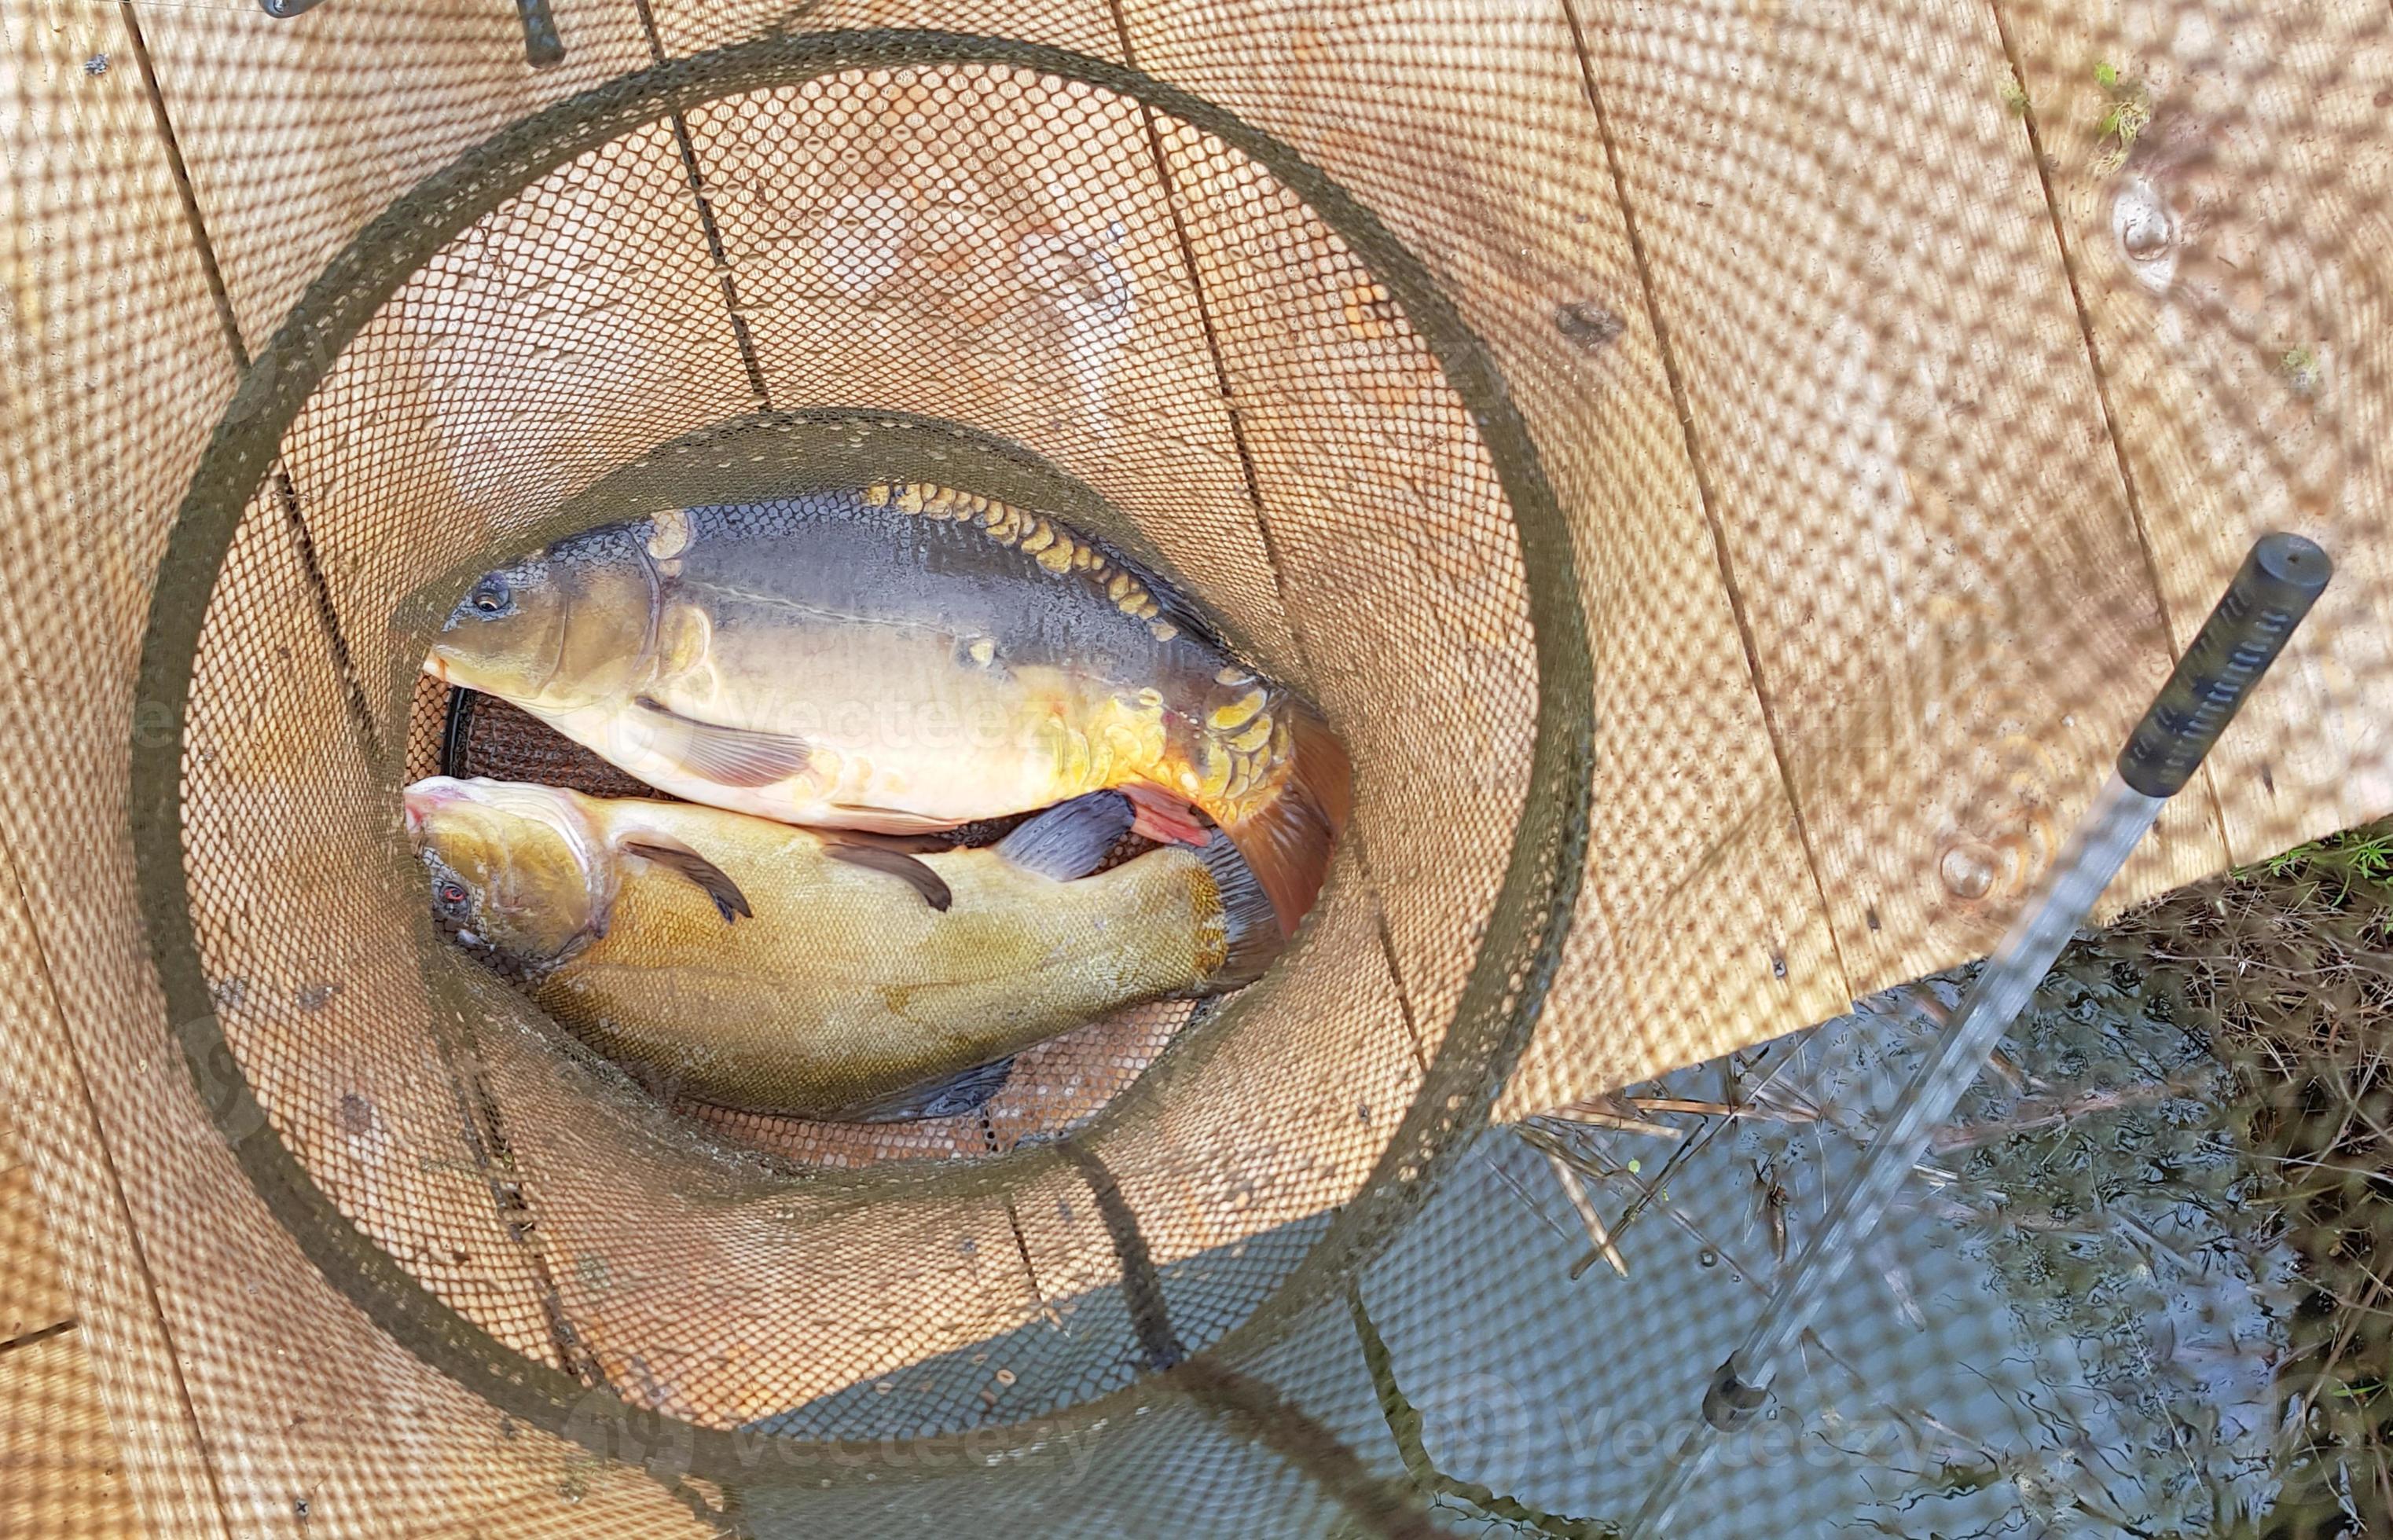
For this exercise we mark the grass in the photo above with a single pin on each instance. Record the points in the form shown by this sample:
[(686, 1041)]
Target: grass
[(2289, 965), (2129, 112), (2362, 855)]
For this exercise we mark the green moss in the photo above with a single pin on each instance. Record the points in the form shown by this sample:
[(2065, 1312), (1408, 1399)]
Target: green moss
[(2300, 367)]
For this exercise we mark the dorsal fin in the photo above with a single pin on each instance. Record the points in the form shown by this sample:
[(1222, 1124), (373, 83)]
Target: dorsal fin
[(1056, 544)]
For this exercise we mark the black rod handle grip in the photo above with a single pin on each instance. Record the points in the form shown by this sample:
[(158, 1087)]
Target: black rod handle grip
[(2275, 587)]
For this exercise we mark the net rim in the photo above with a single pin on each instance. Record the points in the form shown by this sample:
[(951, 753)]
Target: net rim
[(1518, 954)]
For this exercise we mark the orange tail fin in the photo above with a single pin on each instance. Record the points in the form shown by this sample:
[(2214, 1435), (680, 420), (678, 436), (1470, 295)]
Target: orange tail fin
[(1288, 843)]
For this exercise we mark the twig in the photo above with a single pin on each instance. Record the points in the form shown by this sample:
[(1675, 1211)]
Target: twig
[(1579, 1112), (1722, 1109), (1544, 1141), (1968, 1136), (1568, 1176)]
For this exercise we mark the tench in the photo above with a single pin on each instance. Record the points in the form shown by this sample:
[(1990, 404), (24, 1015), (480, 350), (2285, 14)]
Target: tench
[(771, 968), (903, 657)]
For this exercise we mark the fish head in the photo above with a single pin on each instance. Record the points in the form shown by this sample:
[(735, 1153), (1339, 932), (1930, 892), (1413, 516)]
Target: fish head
[(564, 628), (519, 872)]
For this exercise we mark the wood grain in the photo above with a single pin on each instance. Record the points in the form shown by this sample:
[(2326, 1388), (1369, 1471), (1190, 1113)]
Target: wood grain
[(692, 26), (64, 1468), (565, 334), (1952, 615), (1530, 240), (111, 368), (297, 131), (2229, 248), (240, 1380), (1246, 1132), (32, 1297), (65, 1475), (982, 245)]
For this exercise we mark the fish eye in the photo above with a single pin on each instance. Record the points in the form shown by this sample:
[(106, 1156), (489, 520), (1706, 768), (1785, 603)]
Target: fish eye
[(491, 596), (449, 895)]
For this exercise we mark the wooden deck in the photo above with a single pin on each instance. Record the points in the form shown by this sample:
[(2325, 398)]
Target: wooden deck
[(61, 1471), (1861, 399)]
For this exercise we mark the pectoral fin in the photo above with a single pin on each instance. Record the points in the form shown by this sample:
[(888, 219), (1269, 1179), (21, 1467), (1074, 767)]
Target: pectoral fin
[(729, 756), (675, 857), (896, 863), (1069, 840)]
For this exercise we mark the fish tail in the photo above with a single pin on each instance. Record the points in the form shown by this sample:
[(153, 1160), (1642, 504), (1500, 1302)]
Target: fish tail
[(1248, 915), (1287, 842)]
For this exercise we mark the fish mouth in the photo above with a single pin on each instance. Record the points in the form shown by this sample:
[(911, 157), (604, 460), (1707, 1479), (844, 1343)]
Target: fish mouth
[(438, 667), (418, 802)]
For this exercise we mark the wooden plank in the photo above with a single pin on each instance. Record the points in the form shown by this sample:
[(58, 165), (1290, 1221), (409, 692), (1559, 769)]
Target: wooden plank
[(687, 27), (1253, 1134), (2229, 248), (569, 333), (714, 1294), (564, 334), (1391, 537), (305, 1396), (330, 1032), (60, 1472), (34, 1300), (32, 1297), (1953, 616), (240, 1380), (111, 368), (987, 247), (298, 131), (1254, 1130), (1512, 206)]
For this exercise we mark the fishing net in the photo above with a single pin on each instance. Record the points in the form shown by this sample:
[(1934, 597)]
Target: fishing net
[(1732, 476)]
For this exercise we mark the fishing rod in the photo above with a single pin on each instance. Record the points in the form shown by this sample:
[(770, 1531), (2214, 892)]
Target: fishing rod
[(542, 47), (2281, 578)]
